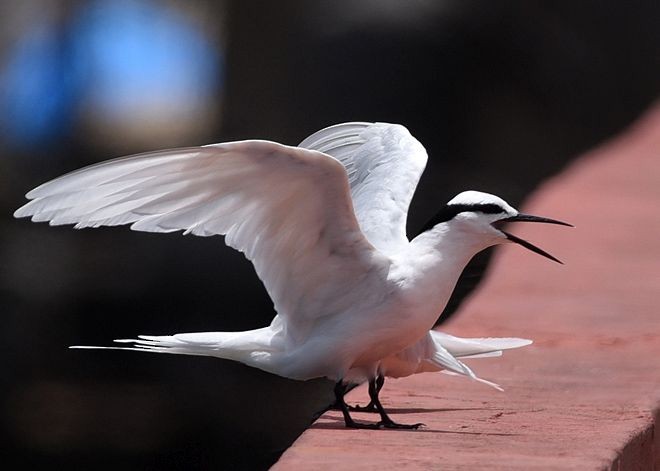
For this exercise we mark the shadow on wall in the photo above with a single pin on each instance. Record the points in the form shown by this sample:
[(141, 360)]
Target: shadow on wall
[(502, 95)]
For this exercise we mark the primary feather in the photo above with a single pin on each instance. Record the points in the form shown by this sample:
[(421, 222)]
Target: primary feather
[(384, 163), (288, 209)]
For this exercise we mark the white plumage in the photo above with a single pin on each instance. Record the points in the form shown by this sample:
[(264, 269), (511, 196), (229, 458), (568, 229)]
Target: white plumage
[(324, 224)]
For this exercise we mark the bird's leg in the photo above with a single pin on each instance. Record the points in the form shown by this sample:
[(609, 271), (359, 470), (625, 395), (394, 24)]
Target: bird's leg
[(380, 381), (385, 420), (371, 407), (340, 391)]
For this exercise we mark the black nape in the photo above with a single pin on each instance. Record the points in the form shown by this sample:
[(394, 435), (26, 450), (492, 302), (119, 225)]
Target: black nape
[(448, 212)]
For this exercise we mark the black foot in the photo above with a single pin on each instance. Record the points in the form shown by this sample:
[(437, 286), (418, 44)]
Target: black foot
[(401, 426), (362, 425), (374, 406), (371, 407), (384, 424)]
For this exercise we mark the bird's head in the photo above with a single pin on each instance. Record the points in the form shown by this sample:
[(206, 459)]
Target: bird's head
[(482, 215)]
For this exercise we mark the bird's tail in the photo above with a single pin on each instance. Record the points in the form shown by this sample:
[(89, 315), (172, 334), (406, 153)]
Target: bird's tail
[(252, 347), (476, 347), (447, 350)]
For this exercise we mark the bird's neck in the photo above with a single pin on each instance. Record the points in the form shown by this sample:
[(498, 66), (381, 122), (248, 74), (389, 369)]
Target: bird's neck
[(448, 245), (437, 257)]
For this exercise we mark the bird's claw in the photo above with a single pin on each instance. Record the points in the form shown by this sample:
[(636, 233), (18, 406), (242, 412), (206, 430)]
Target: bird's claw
[(384, 424), (395, 425), (362, 425)]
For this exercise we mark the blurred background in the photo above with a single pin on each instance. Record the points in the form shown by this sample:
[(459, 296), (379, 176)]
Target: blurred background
[(502, 94)]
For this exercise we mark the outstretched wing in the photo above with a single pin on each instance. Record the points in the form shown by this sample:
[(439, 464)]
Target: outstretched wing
[(287, 209), (384, 163)]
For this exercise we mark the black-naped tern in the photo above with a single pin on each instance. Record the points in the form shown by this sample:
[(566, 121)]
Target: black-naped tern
[(324, 224)]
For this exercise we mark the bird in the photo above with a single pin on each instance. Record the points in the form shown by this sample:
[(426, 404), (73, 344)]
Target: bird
[(323, 223)]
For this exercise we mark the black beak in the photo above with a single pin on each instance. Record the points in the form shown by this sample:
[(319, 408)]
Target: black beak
[(529, 218)]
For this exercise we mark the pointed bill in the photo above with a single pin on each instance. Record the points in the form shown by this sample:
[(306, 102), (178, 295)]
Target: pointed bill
[(530, 246), (520, 217)]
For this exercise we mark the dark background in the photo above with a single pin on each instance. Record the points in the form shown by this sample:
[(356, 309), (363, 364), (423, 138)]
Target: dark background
[(502, 94)]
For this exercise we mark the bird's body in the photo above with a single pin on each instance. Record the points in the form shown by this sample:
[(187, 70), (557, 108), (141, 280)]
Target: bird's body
[(323, 223), (388, 309)]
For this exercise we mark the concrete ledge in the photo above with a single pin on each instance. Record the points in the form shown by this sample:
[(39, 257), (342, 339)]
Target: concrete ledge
[(585, 395)]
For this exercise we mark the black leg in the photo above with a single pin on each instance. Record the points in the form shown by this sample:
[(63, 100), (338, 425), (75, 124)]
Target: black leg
[(371, 407), (380, 382), (385, 420), (340, 391)]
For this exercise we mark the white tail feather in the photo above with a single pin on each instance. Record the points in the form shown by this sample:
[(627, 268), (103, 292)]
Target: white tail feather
[(253, 347)]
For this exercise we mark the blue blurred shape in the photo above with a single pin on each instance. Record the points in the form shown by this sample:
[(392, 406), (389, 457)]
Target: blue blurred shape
[(137, 53), (115, 57), (37, 88)]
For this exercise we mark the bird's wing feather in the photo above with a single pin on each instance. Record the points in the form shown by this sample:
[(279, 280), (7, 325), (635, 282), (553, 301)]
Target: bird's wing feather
[(384, 163), (445, 360), (475, 347), (287, 209), (438, 357)]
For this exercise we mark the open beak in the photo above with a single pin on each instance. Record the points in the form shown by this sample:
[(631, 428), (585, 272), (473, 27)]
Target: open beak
[(529, 218)]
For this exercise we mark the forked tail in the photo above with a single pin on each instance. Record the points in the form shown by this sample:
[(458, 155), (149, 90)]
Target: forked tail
[(448, 349)]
